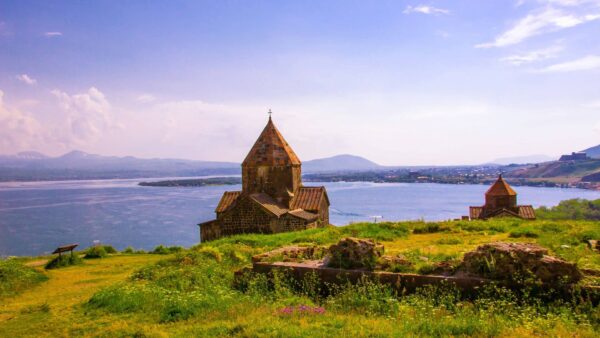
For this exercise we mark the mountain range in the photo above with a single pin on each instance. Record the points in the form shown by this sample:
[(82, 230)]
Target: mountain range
[(80, 165)]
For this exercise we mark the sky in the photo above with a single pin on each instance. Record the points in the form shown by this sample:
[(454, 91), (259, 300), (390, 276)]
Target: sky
[(398, 82)]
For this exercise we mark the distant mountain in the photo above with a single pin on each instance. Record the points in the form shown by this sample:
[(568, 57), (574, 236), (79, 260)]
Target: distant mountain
[(80, 165), (593, 152), (340, 163), (522, 159)]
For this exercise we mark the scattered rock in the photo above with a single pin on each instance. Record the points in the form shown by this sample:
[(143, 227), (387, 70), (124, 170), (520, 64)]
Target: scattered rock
[(386, 262), (446, 268), (288, 253), (594, 244), (354, 253), (565, 246), (519, 263)]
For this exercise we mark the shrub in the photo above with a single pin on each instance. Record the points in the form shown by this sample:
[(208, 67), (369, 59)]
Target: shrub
[(16, 277), (96, 251), (110, 249), (128, 250), (524, 232), (429, 228), (163, 250), (63, 261), (449, 241)]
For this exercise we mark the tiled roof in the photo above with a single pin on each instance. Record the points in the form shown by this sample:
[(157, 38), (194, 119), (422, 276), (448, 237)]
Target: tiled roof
[(305, 215), (229, 197), (501, 212), (271, 149), (475, 212), (526, 212), (500, 188), (268, 203), (309, 198)]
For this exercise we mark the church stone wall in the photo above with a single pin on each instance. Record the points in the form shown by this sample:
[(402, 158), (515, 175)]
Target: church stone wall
[(245, 217)]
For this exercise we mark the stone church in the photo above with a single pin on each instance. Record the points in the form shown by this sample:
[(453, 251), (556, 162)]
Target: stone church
[(273, 198), (501, 201)]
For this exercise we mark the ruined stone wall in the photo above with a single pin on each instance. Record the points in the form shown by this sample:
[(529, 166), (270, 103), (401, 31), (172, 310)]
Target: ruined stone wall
[(245, 217)]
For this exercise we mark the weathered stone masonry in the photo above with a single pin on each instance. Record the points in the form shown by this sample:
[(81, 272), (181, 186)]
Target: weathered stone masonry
[(273, 198)]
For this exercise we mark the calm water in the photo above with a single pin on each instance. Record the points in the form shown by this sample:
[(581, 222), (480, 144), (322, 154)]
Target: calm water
[(37, 217)]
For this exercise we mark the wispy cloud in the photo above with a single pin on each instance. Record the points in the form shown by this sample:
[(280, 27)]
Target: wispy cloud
[(533, 56), (540, 22), (145, 98), (26, 79), (585, 63), (424, 9), (52, 34)]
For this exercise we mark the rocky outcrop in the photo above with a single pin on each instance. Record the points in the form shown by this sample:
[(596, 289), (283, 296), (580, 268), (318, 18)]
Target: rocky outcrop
[(354, 253), (519, 263), (290, 253)]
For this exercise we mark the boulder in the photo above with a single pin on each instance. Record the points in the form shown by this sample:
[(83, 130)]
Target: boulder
[(289, 254), (594, 244), (518, 263), (388, 263), (354, 253)]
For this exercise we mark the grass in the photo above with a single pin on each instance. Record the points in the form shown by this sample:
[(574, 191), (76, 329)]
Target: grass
[(191, 293), (15, 277), (63, 261)]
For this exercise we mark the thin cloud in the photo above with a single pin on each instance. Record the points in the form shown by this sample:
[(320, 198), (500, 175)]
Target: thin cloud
[(589, 62), (26, 79), (533, 56), (541, 22), (424, 9), (53, 34), (145, 98)]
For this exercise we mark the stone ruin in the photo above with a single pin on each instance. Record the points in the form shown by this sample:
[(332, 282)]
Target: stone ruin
[(510, 264), (519, 263)]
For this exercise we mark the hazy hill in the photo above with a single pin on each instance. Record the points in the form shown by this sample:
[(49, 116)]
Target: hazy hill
[(340, 163), (556, 169), (593, 152), (522, 159), (81, 165)]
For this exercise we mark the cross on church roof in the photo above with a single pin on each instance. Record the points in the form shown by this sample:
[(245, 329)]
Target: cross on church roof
[(270, 112)]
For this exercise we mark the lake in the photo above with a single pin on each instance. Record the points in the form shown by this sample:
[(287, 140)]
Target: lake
[(36, 217)]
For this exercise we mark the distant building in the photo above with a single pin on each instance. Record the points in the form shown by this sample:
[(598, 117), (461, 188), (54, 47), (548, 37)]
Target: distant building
[(581, 156), (273, 198), (501, 201)]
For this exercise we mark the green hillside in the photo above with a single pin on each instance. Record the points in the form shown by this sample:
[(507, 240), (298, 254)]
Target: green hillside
[(568, 171), (191, 293)]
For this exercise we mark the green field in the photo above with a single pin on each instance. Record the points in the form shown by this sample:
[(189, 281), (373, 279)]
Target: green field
[(190, 293)]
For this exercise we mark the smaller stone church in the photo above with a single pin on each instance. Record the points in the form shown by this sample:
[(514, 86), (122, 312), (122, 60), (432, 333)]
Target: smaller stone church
[(501, 201), (272, 198)]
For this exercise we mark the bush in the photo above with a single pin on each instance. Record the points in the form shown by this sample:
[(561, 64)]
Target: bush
[(110, 249), (95, 252), (16, 277), (525, 232), (163, 250), (160, 250), (63, 261), (128, 250), (429, 228)]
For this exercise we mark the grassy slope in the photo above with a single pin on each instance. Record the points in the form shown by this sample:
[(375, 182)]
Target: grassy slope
[(190, 294), (560, 172)]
